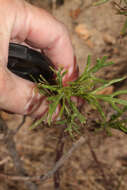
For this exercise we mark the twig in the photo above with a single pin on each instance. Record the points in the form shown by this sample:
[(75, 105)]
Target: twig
[(119, 185), (59, 2), (53, 5), (62, 160), (59, 153), (106, 182), (20, 125), (11, 146)]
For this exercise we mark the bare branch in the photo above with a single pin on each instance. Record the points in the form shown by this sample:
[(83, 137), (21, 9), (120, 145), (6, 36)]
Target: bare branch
[(20, 125), (99, 164), (53, 5), (11, 146), (60, 163), (59, 153)]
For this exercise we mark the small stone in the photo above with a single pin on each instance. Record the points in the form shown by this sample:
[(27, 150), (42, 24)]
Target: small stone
[(83, 31), (75, 13), (108, 39)]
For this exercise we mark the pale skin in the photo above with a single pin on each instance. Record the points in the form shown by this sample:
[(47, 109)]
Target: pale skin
[(22, 22)]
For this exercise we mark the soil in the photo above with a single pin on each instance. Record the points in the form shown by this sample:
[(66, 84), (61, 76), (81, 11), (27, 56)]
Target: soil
[(37, 148)]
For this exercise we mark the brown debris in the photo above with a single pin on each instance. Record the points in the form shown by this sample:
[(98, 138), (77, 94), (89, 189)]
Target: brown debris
[(83, 31), (75, 13), (108, 39), (90, 43), (6, 116)]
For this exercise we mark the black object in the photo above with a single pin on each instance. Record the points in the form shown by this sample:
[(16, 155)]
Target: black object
[(60, 2), (24, 62)]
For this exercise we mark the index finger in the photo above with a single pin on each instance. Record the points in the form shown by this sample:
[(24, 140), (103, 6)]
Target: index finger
[(44, 32)]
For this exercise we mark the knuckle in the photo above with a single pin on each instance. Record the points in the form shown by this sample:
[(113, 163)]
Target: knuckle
[(4, 78), (32, 102), (36, 104), (63, 27), (63, 30)]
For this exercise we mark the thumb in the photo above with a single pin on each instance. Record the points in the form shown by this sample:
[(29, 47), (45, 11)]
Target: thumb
[(19, 95), (16, 94)]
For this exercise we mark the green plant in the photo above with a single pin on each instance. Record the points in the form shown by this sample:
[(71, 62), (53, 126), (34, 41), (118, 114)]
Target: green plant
[(85, 88)]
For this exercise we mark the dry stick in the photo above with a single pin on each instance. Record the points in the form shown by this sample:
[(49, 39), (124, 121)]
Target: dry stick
[(65, 157), (11, 146), (62, 160), (20, 125), (53, 5), (59, 153), (98, 163), (124, 173)]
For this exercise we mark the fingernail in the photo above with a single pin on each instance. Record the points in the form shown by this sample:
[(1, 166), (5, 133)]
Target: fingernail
[(70, 71)]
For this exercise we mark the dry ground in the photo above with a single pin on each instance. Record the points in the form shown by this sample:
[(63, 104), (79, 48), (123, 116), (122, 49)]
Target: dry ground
[(37, 148)]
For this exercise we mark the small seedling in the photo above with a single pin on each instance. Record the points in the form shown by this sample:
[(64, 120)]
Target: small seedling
[(85, 88)]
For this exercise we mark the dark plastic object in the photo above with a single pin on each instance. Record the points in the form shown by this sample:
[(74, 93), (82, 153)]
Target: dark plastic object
[(60, 2), (24, 62)]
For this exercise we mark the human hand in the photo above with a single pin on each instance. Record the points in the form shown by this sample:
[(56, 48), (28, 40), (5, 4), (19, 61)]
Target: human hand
[(22, 22)]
